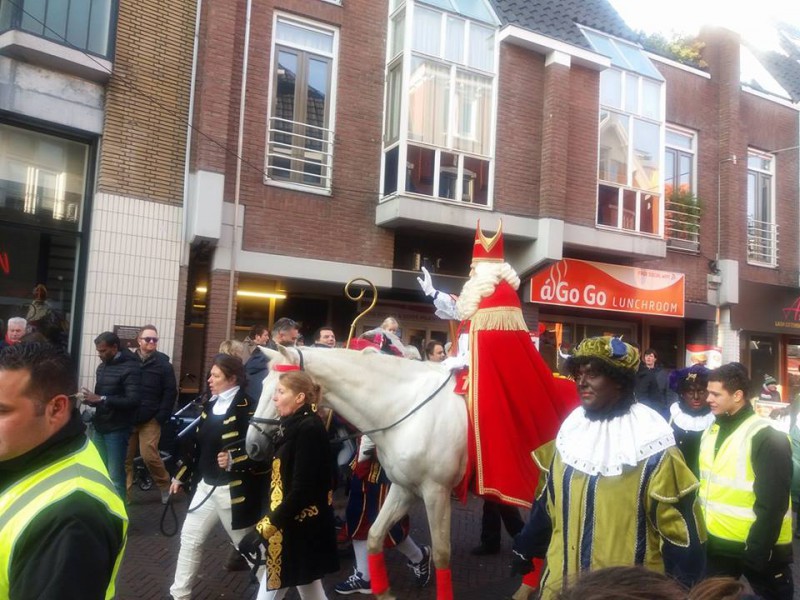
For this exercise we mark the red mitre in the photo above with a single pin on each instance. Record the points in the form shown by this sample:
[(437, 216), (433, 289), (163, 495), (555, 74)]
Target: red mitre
[(488, 249)]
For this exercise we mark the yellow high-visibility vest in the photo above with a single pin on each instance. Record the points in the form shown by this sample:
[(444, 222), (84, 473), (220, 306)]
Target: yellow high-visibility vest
[(83, 470), (726, 483)]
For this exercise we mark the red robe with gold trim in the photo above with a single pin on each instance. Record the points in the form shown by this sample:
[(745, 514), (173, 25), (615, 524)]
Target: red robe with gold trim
[(515, 403)]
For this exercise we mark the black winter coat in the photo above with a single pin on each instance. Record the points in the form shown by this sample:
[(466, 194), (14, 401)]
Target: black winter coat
[(250, 477), (300, 500), (159, 389), (120, 381)]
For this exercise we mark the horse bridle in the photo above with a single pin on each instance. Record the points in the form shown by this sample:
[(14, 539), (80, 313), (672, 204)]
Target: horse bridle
[(257, 421)]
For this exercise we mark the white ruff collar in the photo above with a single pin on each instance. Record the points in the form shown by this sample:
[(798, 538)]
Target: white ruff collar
[(689, 422), (605, 447)]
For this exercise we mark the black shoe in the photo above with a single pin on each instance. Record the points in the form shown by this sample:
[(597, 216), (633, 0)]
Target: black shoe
[(483, 550), (236, 562)]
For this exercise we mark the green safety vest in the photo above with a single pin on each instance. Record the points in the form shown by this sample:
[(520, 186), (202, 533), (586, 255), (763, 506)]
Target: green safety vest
[(726, 483), (83, 470)]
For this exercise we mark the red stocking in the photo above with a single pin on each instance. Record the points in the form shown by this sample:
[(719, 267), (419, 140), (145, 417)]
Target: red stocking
[(444, 584), (379, 580), (532, 578)]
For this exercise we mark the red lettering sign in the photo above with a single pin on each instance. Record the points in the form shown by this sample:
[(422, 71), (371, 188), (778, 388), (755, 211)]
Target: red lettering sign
[(5, 264)]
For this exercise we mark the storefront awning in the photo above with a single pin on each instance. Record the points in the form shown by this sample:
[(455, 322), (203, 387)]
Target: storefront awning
[(599, 286)]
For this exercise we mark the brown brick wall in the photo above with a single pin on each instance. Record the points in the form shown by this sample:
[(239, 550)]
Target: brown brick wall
[(728, 121), (147, 101), (337, 228), (217, 313), (519, 131), (581, 181), (555, 138)]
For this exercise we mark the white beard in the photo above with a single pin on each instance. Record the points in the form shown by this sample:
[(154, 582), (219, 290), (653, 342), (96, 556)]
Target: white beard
[(482, 283)]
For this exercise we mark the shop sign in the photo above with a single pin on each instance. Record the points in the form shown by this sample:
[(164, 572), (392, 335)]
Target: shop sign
[(767, 308), (599, 286)]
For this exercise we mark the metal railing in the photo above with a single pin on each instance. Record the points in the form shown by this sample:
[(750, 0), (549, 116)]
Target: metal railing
[(682, 224), (299, 153), (762, 242)]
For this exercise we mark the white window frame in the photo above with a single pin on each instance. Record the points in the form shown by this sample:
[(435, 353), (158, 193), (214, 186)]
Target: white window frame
[(689, 133), (331, 125), (403, 141), (772, 224)]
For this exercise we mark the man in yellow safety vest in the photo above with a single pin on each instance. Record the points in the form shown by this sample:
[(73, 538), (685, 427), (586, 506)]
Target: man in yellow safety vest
[(62, 525), (745, 480)]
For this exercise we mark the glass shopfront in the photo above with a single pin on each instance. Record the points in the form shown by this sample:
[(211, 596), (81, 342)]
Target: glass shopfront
[(43, 181)]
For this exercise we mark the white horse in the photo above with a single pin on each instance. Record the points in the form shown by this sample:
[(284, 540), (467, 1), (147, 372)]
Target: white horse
[(424, 455)]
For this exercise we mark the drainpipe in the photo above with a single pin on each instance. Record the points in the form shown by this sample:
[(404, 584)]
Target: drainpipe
[(235, 237), (184, 258)]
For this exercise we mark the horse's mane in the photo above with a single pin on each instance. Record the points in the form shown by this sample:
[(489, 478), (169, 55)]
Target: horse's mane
[(375, 360)]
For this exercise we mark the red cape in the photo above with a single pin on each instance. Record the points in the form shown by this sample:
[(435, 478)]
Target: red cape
[(515, 402)]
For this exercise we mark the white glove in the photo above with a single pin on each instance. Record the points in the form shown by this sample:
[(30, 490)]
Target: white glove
[(426, 283), (454, 362)]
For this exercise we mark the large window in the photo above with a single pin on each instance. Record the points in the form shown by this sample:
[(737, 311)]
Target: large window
[(440, 101), (42, 179), (82, 24), (300, 130), (682, 208), (42, 191), (762, 229), (630, 168)]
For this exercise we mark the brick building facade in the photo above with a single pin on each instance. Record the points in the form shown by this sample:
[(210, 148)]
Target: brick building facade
[(352, 165)]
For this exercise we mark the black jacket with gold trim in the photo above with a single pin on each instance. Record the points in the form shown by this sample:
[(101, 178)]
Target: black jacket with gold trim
[(304, 547), (249, 478)]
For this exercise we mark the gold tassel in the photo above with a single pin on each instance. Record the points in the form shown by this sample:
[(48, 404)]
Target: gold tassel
[(503, 318)]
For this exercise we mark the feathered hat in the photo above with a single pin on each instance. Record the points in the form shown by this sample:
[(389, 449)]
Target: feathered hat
[(685, 377), (488, 249), (611, 350)]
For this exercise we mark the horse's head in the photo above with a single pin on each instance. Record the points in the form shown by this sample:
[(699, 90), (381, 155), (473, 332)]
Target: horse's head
[(265, 419)]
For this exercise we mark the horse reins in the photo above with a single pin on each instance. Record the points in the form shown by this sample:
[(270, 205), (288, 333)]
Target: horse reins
[(256, 421)]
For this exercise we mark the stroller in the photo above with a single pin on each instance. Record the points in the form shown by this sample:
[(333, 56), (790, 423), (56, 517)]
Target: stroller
[(172, 433)]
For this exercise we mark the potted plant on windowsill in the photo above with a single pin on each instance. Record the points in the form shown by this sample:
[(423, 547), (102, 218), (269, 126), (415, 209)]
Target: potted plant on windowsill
[(682, 219)]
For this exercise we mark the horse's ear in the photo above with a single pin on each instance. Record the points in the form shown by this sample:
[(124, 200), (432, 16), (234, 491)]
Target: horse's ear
[(286, 353), (270, 353)]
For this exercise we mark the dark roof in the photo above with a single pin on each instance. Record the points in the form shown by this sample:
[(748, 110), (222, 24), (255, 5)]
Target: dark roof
[(559, 18), (784, 65)]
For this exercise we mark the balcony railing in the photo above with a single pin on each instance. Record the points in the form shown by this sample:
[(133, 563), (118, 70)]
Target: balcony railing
[(299, 153), (762, 242), (682, 224)]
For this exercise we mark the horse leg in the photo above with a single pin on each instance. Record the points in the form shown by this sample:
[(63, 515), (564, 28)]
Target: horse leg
[(398, 500), (437, 505)]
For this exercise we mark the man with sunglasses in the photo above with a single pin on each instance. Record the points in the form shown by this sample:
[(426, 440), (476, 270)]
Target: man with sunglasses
[(62, 524), (158, 392)]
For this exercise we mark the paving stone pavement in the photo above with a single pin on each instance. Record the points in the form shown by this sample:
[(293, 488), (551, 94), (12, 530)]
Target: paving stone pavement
[(149, 563)]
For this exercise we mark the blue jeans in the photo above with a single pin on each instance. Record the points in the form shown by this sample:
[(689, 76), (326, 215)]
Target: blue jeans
[(113, 447)]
